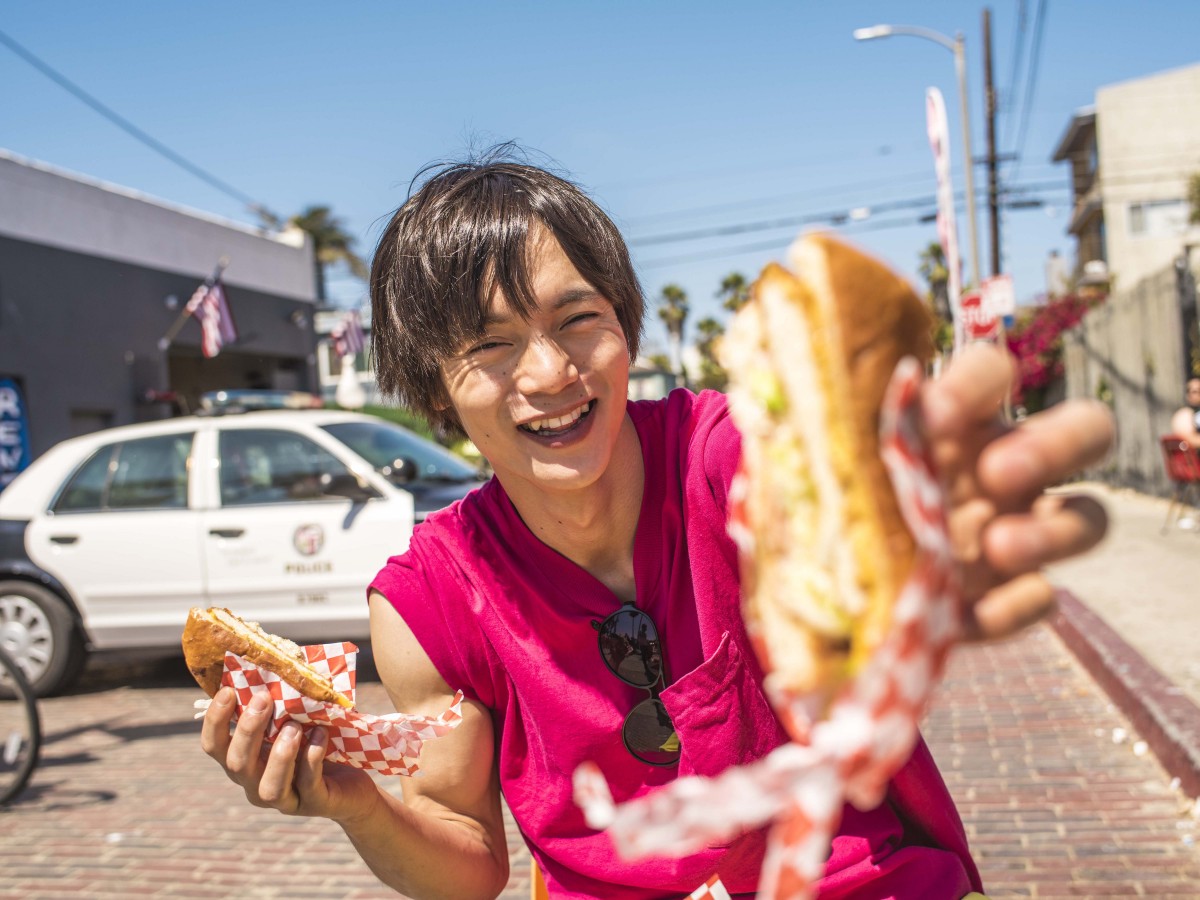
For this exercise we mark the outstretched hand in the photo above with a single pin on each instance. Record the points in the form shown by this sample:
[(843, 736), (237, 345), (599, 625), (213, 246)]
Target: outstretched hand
[(1003, 524)]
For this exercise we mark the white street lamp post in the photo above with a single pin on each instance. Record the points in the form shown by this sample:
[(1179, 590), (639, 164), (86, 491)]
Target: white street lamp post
[(955, 46)]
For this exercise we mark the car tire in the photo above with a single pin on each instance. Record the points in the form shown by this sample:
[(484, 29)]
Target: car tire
[(38, 630)]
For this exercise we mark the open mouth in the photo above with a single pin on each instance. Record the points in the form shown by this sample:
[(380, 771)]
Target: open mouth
[(559, 425)]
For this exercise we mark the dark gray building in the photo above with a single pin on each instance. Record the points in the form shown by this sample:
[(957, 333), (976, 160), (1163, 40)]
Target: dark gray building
[(92, 276)]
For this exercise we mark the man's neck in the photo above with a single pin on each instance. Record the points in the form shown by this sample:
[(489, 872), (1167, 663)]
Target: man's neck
[(595, 527)]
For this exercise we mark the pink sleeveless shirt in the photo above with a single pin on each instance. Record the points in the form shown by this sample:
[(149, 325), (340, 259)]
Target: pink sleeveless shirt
[(508, 620)]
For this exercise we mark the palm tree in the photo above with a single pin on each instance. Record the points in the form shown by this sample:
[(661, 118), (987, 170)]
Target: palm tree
[(332, 244), (712, 374), (937, 276), (673, 310), (735, 291), (933, 269)]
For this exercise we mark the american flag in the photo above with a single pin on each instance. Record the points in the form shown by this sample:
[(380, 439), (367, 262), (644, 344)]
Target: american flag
[(208, 304), (347, 335)]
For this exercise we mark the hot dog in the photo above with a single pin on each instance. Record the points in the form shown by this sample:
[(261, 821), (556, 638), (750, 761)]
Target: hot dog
[(809, 357), (209, 633)]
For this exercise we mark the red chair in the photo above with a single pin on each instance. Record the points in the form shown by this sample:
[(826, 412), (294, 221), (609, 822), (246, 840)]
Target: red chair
[(1183, 468)]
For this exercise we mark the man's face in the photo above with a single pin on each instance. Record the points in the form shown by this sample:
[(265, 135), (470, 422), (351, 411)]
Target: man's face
[(1193, 392), (544, 400)]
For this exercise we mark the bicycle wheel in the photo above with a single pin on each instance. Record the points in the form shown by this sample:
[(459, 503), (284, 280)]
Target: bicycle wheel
[(20, 730)]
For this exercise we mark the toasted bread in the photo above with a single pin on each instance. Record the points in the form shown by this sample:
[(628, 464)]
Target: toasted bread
[(809, 357), (208, 633)]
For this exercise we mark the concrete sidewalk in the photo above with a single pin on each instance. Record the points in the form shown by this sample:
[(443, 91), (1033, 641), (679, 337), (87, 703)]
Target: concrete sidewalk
[(1131, 616)]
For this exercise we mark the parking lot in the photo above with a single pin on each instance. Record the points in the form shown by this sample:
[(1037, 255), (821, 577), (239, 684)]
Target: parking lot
[(126, 804)]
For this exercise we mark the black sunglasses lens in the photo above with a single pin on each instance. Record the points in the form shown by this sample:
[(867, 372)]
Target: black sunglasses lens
[(649, 734), (630, 647)]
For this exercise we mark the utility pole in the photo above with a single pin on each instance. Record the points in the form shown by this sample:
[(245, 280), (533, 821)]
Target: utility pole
[(990, 117)]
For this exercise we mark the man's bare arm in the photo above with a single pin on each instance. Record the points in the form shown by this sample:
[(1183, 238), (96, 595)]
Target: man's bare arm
[(452, 829), (446, 840)]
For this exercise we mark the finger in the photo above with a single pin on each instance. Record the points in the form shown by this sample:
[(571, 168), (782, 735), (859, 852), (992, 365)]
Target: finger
[(1059, 526), (1008, 608), (214, 734), (1047, 449), (245, 746), (966, 524), (310, 774), (275, 785), (971, 392)]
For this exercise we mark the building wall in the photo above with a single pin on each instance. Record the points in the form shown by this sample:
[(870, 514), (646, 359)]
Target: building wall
[(80, 334), (44, 205), (1148, 131), (92, 277), (1130, 352)]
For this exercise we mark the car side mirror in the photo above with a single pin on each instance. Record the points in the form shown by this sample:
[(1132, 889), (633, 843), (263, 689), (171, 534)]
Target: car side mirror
[(404, 470), (348, 485)]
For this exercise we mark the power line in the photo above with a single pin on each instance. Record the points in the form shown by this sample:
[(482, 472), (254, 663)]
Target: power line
[(833, 190), (135, 132), (1018, 58), (835, 216), (784, 241), (1035, 55)]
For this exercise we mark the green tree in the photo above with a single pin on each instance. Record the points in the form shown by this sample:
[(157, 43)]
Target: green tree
[(660, 361), (712, 375), (933, 269), (332, 245), (734, 291), (673, 310)]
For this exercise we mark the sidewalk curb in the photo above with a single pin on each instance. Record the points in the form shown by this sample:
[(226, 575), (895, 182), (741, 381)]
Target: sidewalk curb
[(1167, 720)]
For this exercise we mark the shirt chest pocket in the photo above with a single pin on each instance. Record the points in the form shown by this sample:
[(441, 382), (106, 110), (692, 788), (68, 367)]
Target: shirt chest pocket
[(721, 714)]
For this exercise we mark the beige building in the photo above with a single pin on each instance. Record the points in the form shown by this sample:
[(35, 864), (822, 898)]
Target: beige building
[(1131, 156)]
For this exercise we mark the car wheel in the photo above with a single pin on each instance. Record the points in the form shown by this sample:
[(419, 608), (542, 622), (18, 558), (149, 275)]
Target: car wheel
[(38, 631)]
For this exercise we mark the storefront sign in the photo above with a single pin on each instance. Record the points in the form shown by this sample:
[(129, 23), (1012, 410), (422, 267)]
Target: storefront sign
[(14, 432)]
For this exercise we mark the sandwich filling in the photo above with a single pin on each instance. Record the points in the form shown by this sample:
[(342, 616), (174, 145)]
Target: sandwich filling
[(813, 583)]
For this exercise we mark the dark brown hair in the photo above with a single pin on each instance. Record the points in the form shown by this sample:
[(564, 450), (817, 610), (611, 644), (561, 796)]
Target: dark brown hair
[(456, 240)]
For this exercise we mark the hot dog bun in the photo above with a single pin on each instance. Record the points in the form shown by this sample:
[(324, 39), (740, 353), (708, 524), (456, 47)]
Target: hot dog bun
[(208, 633), (809, 357)]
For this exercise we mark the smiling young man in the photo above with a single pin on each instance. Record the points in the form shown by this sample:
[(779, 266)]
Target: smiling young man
[(587, 599)]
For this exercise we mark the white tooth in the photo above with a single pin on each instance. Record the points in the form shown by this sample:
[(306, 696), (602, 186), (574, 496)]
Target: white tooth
[(559, 421)]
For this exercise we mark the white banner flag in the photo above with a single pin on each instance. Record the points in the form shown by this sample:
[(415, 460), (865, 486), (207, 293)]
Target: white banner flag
[(939, 142)]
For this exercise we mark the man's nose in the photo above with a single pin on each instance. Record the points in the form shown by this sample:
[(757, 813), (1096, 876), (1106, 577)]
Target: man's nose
[(545, 367)]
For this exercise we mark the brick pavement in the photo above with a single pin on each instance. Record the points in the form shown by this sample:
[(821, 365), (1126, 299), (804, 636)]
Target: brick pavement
[(126, 805)]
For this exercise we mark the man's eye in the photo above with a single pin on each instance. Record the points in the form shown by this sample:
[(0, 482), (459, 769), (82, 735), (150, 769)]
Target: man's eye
[(582, 317), (483, 346)]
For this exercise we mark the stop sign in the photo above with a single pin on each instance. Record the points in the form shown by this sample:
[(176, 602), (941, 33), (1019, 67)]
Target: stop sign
[(979, 322)]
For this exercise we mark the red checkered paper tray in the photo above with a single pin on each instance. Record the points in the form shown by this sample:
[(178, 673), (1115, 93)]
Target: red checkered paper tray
[(871, 728), (389, 745)]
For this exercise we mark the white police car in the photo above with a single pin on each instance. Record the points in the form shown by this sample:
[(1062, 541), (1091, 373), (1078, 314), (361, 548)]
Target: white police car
[(283, 516)]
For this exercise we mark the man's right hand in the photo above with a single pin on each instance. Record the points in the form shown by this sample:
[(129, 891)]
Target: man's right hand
[(289, 775)]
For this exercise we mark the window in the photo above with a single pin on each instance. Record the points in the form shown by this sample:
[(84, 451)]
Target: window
[(272, 466), (383, 445), (1157, 218), (150, 473)]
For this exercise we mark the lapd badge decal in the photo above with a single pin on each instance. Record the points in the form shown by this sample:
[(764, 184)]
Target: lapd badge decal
[(308, 540)]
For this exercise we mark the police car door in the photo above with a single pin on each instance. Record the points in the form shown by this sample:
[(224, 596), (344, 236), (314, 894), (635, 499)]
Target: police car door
[(282, 551), (124, 539)]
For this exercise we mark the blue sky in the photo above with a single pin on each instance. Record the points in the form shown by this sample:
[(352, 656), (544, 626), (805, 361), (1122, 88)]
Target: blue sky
[(677, 116)]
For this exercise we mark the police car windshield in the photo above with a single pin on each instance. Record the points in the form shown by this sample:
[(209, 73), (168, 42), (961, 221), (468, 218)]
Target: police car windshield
[(383, 444)]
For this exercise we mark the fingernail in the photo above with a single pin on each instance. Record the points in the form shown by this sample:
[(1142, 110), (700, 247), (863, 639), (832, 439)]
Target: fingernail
[(223, 697), (289, 733), (318, 738), (259, 704)]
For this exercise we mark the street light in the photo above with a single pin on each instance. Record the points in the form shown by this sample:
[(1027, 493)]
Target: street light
[(955, 46)]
